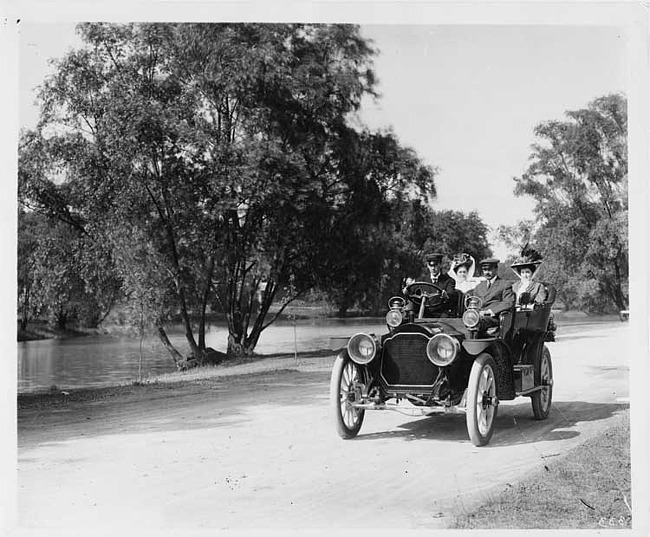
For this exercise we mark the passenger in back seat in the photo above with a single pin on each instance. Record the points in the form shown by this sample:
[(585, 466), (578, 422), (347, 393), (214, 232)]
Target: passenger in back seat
[(527, 291)]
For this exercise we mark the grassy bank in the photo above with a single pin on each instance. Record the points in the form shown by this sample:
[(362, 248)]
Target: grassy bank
[(590, 487)]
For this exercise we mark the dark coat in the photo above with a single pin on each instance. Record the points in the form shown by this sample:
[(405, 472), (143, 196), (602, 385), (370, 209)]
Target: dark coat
[(499, 297), (534, 293), (445, 281), (448, 284)]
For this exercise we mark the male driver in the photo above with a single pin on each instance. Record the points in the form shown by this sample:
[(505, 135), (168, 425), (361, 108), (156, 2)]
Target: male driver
[(435, 275), (496, 294)]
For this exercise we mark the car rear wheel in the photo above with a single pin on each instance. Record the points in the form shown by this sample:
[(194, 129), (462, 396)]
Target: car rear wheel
[(541, 400), (345, 376), (482, 402)]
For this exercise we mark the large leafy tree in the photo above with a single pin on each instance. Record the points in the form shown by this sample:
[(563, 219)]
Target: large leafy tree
[(578, 178), (213, 159), (62, 274), (365, 252), (394, 249), (421, 229)]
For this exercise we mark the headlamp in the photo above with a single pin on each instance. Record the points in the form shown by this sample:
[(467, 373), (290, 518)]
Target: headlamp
[(442, 349), (394, 318), (471, 318), (362, 348)]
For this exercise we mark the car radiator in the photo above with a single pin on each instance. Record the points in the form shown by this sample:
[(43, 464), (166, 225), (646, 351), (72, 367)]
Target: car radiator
[(404, 361)]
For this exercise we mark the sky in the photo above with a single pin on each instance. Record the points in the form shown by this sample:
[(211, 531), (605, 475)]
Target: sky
[(465, 97)]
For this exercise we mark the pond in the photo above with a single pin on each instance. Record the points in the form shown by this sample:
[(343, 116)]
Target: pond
[(105, 360)]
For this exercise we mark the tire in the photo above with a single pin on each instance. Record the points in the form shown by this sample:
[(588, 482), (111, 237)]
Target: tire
[(542, 400), (348, 419), (480, 413)]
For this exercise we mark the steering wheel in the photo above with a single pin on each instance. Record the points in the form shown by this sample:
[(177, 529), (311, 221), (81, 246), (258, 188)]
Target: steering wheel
[(419, 290)]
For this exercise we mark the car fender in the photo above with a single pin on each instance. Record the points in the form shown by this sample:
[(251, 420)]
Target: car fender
[(368, 371), (477, 346), (343, 354), (501, 356)]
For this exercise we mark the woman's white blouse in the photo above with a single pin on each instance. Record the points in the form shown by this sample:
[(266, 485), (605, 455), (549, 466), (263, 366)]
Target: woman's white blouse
[(467, 285)]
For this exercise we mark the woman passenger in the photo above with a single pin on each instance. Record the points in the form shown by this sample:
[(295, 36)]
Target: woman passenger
[(527, 291), (462, 271)]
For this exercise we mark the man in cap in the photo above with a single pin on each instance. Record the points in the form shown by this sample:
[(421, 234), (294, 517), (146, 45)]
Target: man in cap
[(495, 293), (434, 274)]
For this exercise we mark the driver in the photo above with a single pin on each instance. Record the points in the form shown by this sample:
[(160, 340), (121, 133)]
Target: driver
[(433, 273), (496, 294)]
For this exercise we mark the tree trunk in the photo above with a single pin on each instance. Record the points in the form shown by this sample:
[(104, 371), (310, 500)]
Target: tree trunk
[(252, 340), (61, 319), (25, 308), (204, 304), (343, 303), (236, 348), (236, 338), (620, 297), (176, 356)]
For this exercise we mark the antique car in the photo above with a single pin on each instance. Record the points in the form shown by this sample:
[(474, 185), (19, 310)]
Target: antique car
[(433, 358)]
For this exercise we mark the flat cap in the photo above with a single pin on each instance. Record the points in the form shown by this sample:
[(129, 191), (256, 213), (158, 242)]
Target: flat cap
[(489, 261), (433, 257)]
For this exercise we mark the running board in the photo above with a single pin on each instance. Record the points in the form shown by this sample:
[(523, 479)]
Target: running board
[(416, 411)]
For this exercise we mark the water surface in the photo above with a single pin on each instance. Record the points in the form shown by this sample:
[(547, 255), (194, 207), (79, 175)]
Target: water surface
[(105, 360)]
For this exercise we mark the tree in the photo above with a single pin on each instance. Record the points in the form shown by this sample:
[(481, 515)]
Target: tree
[(62, 274), (30, 226), (395, 249), (221, 152), (453, 231), (65, 266), (362, 254), (578, 178)]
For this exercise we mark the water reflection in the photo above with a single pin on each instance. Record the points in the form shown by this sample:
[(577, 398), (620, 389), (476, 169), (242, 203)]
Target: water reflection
[(87, 361), (105, 360)]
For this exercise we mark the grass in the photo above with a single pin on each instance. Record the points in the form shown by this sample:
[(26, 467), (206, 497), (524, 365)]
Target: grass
[(590, 487)]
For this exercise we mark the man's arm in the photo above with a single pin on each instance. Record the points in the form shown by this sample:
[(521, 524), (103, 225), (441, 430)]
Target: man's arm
[(450, 288)]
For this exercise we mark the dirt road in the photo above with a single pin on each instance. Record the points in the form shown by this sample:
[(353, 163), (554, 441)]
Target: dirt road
[(237, 454)]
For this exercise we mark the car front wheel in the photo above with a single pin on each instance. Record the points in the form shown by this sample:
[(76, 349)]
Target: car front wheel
[(541, 400), (482, 402), (346, 376)]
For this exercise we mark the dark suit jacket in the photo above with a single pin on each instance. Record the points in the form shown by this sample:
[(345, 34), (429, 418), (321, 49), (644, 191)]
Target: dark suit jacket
[(445, 281), (499, 297), (449, 285)]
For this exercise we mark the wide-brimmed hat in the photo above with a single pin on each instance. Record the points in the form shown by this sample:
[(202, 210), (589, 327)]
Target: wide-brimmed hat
[(433, 257), (522, 264), (529, 258)]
